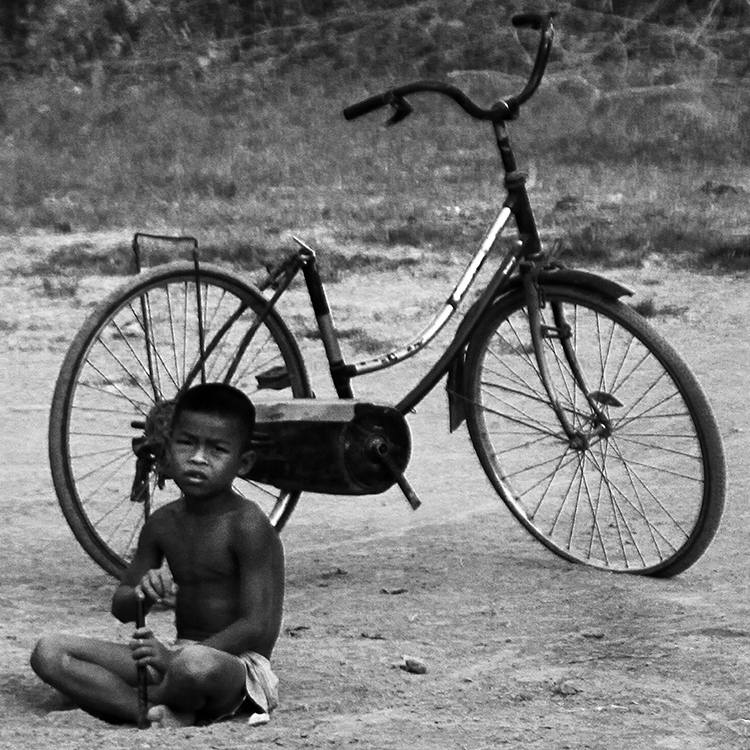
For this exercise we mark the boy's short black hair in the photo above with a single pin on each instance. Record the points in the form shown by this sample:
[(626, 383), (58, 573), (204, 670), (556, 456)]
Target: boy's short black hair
[(220, 399)]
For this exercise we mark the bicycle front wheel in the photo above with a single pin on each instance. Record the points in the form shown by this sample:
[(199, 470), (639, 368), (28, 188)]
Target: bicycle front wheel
[(638, 485), (124, 367)]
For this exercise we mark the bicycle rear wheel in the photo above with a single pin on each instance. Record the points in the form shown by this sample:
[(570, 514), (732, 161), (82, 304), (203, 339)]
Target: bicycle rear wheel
[(127, 362), (640, 486)]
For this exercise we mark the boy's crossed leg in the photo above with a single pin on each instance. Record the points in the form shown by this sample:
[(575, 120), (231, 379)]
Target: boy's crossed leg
[(102, 678)]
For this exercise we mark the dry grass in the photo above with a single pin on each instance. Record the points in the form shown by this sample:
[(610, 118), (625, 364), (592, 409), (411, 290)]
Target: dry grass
[(244, 155)]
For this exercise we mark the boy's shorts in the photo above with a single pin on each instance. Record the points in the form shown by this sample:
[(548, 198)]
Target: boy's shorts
[(261, 687)]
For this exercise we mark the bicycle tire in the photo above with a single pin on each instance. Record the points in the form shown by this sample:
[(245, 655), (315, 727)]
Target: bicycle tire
[(645, 496), (134, 351)]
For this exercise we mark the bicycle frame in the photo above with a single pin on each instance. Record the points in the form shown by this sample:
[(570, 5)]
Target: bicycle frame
[(528, 249), (523, 261)]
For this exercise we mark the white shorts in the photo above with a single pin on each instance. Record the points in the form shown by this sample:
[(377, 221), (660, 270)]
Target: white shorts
[(261, 684)]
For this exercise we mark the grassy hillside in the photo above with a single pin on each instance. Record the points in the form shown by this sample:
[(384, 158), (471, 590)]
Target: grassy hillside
[(635, 144)]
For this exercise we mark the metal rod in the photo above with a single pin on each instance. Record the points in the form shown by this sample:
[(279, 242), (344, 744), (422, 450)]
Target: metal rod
[(199, 304), (140, 622)]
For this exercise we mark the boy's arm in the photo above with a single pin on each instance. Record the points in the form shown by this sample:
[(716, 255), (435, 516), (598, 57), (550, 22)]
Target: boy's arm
[(148, 555), (261, 569)]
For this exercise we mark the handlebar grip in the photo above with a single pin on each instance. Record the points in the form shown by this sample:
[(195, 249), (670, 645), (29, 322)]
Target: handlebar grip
[(537, 21), (366, 105)]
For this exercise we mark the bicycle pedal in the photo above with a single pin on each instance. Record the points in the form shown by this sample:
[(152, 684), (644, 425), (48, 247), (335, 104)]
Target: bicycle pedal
[(383, 455), (408, 490)]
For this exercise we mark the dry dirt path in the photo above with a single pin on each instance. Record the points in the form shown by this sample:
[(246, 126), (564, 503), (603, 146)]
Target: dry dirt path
[(523, 649)]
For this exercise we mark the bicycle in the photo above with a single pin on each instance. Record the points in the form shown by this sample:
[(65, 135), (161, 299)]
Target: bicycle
[(588, 424)]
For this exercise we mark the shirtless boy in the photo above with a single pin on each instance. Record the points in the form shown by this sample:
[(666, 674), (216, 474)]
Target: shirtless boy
[(225, 580)]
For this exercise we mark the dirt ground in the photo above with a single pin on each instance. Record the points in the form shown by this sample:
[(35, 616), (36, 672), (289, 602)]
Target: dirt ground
[(522, 649)]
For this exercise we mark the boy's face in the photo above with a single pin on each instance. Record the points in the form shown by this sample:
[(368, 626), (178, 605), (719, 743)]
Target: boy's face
[(207, 453)]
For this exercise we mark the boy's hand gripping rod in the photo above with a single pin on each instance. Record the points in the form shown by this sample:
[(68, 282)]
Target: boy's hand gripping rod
[(140, 622)]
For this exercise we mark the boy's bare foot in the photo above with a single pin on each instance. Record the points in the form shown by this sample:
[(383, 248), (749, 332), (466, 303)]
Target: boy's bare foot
[(162, 717)]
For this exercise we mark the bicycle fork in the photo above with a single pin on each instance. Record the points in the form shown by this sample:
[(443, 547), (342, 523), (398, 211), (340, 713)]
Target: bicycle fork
[(541, 335)]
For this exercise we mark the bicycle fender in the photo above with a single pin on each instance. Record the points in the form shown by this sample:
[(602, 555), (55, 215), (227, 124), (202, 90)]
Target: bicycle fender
[(582, 279), (545, 277)]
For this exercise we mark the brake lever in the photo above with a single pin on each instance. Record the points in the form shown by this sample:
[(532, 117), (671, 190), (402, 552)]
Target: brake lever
[(401, 110)]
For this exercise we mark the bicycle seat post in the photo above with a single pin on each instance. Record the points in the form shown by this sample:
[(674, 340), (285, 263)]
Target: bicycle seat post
[(339, 372)]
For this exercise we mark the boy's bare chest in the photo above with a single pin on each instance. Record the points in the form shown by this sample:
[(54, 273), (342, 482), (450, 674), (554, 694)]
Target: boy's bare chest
[(201, 549)]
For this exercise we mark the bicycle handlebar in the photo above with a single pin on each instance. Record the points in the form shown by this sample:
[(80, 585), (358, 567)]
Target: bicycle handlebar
[(504, 109)]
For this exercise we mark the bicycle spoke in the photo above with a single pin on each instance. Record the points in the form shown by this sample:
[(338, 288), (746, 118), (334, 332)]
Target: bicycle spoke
[(122, 335), (662, 448), (620, 499), (173, 339), (120, 460), (138, 406), (518, 416), (560, 463), (153, 353), (97, 452), (619, 517), (148, 342)]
